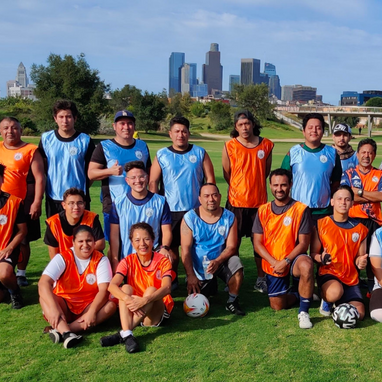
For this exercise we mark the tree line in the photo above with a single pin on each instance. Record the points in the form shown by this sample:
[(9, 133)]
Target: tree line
[(72, 78)]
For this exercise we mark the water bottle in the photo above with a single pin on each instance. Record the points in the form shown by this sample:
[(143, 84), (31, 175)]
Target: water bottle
[(206, 263)]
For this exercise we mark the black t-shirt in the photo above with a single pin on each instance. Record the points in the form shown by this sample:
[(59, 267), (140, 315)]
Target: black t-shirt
[(50, 240)]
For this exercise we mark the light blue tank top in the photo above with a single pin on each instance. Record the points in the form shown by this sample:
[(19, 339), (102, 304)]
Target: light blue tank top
[(351, 162), (113, 152), (130, 213), (66, 163), (209, 239), (182, 177), (311, 175)]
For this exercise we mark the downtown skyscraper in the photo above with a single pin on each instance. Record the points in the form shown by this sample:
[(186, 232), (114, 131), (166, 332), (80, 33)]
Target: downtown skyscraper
[(213, 70), (176, 62)]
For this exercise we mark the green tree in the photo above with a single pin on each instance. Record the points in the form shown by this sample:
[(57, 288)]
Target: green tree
[(198, 109), (255, 98), (180, 105), (374, 102), (150, 112), (70, 78), (220, 115), (129, 97)]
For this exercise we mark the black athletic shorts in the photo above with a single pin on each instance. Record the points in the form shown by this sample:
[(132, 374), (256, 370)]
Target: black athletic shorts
[(245, 218), (176, 218)]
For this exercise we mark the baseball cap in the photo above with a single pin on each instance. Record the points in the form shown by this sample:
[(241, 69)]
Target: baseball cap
[(244, 114), (342, 128), (124, 113)]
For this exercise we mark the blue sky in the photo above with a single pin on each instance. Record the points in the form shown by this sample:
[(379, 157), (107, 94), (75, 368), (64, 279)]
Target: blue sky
[(334, 45)]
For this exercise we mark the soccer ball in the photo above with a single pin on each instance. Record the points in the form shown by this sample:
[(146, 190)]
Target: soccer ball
[(196, 305), (345, 316)]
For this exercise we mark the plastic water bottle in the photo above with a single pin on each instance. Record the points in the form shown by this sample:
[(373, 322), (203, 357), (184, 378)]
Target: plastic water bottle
[(206, 263)]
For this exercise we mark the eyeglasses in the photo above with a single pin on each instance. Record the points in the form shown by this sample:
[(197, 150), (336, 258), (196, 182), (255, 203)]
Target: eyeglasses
[(139, 177), (72, 204)]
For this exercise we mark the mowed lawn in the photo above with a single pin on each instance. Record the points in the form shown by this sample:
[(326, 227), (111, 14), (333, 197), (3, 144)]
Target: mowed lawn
[(262, 346)]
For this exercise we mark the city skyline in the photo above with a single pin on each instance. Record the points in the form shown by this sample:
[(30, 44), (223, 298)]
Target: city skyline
[(326, 45)]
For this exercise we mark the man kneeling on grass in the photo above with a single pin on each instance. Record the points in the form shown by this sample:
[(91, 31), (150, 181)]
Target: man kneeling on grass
[(339, 247), (281, 236), (144, 298), (73, 289)]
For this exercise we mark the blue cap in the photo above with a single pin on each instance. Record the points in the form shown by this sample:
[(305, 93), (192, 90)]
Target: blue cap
[(124, 113)]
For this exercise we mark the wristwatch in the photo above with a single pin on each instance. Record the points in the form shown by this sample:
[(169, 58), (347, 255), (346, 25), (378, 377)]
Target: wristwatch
[(360, 192), (287, 261)]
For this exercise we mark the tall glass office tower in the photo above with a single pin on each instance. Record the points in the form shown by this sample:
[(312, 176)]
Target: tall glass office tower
[(176, 62)]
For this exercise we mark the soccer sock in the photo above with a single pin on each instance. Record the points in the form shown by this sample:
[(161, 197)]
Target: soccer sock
[(231, 297), (305, 304), (20, 273), (125, 333)]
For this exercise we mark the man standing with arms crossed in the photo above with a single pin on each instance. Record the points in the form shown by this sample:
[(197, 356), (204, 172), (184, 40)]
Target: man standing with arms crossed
[(67, 154), (247, 160), (182, 167), (109, 158), (22, 162), (281, 236), (341, 137)]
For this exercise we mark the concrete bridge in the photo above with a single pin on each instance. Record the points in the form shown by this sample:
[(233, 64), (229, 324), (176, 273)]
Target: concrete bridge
[(330, 112)]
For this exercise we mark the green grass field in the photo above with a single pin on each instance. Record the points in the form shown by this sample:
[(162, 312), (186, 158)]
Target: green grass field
[(262, 346)]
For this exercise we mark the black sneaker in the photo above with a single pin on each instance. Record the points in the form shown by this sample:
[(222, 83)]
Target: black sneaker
[(234, 307), (17, 301), (112, 340), (71, 340), (131, 344), (22, 281), (55, 336)]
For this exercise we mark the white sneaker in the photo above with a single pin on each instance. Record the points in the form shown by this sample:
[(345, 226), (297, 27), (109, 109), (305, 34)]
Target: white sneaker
[(304, 320), (326, 308), (261, 285)]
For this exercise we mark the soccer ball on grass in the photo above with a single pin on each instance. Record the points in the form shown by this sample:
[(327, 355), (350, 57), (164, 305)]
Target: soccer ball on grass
[(196, 305)]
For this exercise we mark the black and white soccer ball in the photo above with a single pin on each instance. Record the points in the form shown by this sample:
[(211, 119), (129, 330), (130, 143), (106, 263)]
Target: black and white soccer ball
[(345, 316)]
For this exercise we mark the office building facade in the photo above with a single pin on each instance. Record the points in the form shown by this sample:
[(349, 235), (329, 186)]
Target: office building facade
[(176, 62), (212, 69)]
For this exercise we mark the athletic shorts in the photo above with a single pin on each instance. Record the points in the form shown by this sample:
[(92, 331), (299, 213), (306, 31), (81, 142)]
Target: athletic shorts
[(224, 272), (351, 292), (13, 258), (375, 299), (52, 207), (33, 226), (176, 218), (163, 320), (245, 218), (278, 286), (106, 225)]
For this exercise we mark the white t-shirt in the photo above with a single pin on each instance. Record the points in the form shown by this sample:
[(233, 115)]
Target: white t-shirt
[(375, 251), (56, 268)]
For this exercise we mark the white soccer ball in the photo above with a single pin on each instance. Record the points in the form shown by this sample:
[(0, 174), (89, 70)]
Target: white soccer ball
[(196, 305), (345, 316)]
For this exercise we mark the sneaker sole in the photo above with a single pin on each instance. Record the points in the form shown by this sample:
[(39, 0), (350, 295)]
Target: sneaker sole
[(55, 336), (325, 313), (72, 341)]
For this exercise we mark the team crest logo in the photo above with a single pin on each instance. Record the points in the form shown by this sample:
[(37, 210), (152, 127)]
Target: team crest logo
[(221, 230), (287, 221), (355, 237), (374, 179), (139, 154), (3, 219), (73, 151), (323, 158), (149, 212), (90, 279), (158, 275), (261, 154), (18, 156), (193, 158)]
